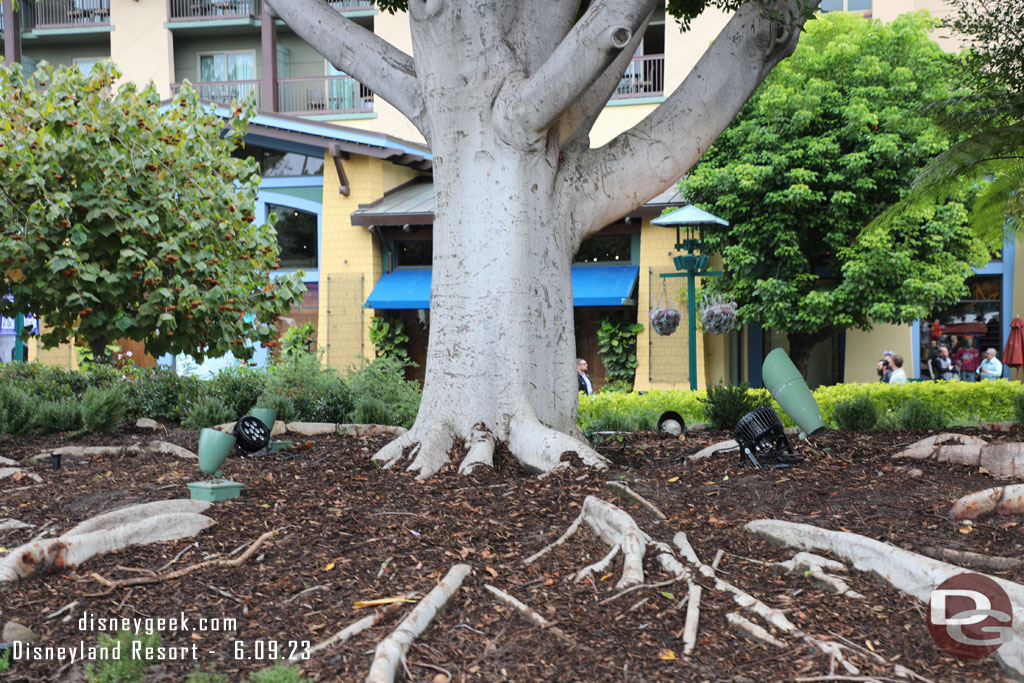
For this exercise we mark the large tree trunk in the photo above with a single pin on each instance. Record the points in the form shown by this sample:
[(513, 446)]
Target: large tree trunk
[(505, 94), (801, 344)]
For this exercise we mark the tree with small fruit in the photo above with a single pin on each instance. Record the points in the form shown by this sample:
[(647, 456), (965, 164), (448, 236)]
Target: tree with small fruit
[(122, 219)]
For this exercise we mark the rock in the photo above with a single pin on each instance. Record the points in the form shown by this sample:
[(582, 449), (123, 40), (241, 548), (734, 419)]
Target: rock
[(699, 427), (375, 430), (13, 631), (672, 427), (147, 423), (279, 428), (999, 426), (914, 472), (312, 428)]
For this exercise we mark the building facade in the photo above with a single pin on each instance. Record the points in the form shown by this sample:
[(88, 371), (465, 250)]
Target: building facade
[(349, 179)]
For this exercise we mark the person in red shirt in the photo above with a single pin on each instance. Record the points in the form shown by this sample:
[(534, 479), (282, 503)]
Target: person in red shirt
[(967, 361)]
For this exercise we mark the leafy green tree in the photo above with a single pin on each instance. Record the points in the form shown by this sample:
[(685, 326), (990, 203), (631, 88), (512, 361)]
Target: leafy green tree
[(822, 147), (989, 121), (119, 219)]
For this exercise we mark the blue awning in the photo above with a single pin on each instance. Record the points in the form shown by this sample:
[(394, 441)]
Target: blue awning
[(603, 285), (591, 286)]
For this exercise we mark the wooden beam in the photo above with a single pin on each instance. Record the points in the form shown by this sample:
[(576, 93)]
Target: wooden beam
[(337, 154)]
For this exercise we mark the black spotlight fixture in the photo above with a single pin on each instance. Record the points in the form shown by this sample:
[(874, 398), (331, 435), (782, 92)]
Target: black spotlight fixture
[(55, 461), (763, 441), (671, 424), (251, 434)]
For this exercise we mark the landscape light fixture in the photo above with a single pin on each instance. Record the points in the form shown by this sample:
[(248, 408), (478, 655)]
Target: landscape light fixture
[(268, 416), (671, 423), (763, 441), (214, 448)]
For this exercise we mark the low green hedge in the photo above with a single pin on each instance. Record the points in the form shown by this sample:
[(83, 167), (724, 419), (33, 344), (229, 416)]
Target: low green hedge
[(962, 403)]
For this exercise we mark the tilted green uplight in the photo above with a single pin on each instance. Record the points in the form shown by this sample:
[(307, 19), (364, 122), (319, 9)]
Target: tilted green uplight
[(214, 448)]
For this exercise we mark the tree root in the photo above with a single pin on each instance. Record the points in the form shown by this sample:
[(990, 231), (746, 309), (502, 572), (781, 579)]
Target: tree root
[(692, 617), (530, 614), (184, 571), (814, 566), (539, 448), (617, 529), (908, 572), (630, 493), (351, 631), (102, 534), (480, 446), (392, 649), (752, 631), (1002, 500), (992, 562)]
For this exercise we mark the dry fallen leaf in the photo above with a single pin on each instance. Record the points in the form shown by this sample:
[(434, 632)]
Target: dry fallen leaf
[(359, 604), (329, 567), (673, 479), (667, 655), (490, 570)]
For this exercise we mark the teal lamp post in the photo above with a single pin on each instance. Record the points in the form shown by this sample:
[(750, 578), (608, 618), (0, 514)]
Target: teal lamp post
[(690, 265)]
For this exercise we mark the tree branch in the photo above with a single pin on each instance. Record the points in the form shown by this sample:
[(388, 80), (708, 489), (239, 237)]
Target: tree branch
[(358, 52), (656, 152), (527, 108)]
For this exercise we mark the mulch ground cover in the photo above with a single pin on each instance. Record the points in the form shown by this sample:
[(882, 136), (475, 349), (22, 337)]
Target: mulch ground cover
[(351, 531)]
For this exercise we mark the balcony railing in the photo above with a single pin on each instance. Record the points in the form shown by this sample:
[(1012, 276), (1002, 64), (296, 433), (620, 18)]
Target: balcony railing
[(644, 77), (36, 14), (348, 5), (222, 92), (212, 10), (323, 95)]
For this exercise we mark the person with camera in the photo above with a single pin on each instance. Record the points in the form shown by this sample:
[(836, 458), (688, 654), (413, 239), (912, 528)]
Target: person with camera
[(885, 367)]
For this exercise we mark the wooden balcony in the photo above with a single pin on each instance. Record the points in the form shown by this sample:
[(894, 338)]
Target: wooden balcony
[(323, 95), (644, 77), (215, 10), (64, 14), (222, 92)]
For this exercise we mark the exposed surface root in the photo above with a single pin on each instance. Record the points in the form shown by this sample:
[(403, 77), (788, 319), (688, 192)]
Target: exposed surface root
[(1002, 500), (531, 614), (539, 448), (480, 450), (391, 651)]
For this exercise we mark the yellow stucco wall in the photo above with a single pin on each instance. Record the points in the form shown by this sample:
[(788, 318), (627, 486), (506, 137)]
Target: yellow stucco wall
[(393, 28), (662, 361), (140, 44), (351, 262), (864, 349)]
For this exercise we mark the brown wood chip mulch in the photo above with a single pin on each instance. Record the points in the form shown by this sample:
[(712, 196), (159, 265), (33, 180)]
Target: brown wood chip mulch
[(351, 531)]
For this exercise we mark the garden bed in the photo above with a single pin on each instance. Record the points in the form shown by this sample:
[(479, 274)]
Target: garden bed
[(350, 532)]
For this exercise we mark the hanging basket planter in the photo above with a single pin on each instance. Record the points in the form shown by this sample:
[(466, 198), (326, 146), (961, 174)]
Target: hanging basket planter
[(664, 321), (719, 317)]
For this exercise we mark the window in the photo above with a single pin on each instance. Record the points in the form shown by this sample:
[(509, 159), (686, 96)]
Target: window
[(277, 164), (297, 236), (85, 64), (227, 67), (605, 249), (976, 317), (845, 5), (413, 253)]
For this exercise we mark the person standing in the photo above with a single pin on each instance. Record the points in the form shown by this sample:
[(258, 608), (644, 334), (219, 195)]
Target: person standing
[(991, 367), (884, 367), (582, 379), (968, 359), (899, 375), (942, 365)]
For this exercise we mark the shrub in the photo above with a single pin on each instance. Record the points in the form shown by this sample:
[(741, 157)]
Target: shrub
[(387, 334), (15, 410), (616, 340), (298, 340), (282, 405), (1018, 407), (915, 414), (279, 673), (618, 386), (316, 391), (62, 415), (725, 404), (211, 675), (104, 409), (160, 392), (208, 411), (127, 669), (239, 387), (384, 380), (43, 382), (856, 415), (613, 411)]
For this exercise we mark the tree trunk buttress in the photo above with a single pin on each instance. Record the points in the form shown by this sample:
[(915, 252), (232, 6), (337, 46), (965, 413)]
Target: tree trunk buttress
[(801, 344)]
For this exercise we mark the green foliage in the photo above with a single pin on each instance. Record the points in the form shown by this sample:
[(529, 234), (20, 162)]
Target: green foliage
[(381, 386), (126, 669), (62, 415), (279, 673), (833, 136), (207, 412), (129, 220), (282, 406), (616, 340), (239, 387), (5, 662), (103, 408), (298, 340), (725, 404), (211, 675), (389, 338), (620, 386), (855, 415), (1018, 407), (43, 382), (159, 392), (15, 410), (612, 411), (916, 414), (315, 390)]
